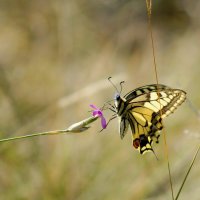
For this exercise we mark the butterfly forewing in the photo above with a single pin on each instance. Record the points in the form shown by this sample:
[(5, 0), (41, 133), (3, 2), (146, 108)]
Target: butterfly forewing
[(162, 101), (144, 90), (123, 126)]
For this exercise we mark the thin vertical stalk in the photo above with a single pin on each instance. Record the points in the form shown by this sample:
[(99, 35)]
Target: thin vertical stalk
[(185, 178), (149, 11)]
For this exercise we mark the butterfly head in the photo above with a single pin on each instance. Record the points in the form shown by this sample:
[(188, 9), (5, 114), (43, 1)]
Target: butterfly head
[(117, 99)]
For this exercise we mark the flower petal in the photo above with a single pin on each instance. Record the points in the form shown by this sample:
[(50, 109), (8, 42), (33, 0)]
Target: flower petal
[(95, 113), (103, 122), (94, 107)]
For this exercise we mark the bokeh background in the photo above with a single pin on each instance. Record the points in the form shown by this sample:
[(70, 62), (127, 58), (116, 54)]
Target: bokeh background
[(55, 58)]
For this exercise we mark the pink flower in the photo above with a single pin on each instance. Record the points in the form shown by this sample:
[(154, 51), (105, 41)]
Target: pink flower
[(98, 113)]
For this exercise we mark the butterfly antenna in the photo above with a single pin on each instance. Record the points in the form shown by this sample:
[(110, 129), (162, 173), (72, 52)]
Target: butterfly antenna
[(122, 82), (109, 79)]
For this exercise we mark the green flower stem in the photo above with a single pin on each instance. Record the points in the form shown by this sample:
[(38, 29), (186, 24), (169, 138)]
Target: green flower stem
[(34, 135), (74, 128)]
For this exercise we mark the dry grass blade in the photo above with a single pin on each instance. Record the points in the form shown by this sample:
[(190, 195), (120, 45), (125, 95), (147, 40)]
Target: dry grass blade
[(149, 12), (191, 165)]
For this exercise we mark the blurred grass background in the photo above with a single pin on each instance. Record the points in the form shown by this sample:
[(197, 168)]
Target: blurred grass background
[(55, 58)]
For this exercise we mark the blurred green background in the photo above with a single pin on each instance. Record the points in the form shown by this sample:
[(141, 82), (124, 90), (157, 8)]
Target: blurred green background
[(55, 58)]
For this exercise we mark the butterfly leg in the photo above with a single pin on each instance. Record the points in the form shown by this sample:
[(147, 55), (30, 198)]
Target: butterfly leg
[(113, 117)]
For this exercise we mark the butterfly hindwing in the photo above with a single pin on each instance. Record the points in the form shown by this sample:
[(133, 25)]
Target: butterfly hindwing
[(145, 128)]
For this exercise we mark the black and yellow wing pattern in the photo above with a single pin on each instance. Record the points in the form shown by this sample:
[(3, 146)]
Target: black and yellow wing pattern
[(143, 110)]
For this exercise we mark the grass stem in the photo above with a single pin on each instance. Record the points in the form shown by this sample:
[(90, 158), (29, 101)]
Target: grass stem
[(185, 178)]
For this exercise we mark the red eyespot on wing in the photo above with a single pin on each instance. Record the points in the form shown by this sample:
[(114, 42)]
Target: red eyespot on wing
[(136, 143)]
